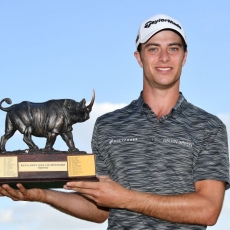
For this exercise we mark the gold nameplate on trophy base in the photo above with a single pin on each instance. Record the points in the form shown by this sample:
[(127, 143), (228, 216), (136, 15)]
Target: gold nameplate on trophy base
[(46, 170)]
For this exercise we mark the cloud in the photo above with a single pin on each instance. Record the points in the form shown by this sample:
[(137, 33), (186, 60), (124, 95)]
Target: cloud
[(5, 215), (225, 117)]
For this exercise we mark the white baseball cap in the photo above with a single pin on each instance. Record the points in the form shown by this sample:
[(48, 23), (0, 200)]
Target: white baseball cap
[(155, 24)]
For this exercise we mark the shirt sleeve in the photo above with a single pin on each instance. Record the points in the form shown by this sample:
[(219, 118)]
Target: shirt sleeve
[(101, 168), (213, 159)]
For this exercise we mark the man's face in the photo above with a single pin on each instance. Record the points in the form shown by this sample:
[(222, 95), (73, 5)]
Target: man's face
[(162, 58)]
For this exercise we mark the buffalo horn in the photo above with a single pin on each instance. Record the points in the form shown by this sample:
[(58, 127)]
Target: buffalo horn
[(92, 101)]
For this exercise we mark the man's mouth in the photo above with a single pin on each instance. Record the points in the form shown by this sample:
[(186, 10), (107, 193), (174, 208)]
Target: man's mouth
[(164, 68)]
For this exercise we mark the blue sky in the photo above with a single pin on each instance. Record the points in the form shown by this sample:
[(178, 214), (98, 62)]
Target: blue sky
[(54, 49)]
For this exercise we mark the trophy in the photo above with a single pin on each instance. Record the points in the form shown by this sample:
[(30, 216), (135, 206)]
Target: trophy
[(45, 168)]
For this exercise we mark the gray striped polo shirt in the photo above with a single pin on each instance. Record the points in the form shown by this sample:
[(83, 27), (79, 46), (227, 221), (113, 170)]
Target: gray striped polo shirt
[(164, 156)]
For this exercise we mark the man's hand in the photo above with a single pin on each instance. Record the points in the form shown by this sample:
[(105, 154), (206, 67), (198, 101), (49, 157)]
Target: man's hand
[(106, 193), (22, 194), (70, 203)]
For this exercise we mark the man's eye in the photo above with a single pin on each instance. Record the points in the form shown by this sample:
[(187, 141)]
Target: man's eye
[(173, 49), (153, 49)]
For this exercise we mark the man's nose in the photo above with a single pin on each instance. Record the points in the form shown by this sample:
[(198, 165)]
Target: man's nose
[(164, 56)]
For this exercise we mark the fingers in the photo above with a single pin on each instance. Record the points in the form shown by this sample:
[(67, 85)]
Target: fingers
[(86, 189), (22, 189), (14, 194), (86, 184), (81, 184), (21, 193)]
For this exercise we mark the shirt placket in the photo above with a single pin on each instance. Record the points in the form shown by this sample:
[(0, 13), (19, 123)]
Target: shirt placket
[(151, 145)]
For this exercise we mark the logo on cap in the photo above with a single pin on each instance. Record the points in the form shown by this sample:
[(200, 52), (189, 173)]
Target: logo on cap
[(149, 23)]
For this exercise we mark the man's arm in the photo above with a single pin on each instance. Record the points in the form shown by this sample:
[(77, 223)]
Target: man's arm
[(201, 207), (70, 203)]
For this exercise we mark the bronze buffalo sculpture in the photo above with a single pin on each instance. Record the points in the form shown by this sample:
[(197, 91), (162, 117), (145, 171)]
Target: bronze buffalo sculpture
[(48, 119)]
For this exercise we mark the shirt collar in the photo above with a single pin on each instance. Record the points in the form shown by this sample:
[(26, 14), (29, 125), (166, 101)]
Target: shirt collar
[(141, 105)]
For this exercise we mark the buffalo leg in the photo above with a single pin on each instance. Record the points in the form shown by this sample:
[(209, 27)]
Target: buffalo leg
[(50, 140), (28, 139), (4, 139), (68, 138), (9, 132)]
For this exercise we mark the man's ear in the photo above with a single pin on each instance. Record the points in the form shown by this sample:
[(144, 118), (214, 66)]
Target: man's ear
[(138, 57), (185, 58)]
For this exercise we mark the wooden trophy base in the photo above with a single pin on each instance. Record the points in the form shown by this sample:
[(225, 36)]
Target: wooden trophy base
[(46, 170)]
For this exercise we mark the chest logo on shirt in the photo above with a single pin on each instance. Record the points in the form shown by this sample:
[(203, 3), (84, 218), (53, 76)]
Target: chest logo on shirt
[(185, 143), (122, 140)]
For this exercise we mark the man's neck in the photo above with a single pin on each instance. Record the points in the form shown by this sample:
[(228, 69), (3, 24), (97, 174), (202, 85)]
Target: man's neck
[(161, 102)]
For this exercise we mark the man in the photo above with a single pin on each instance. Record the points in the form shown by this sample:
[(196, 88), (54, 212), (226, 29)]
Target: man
[(162, 162)]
